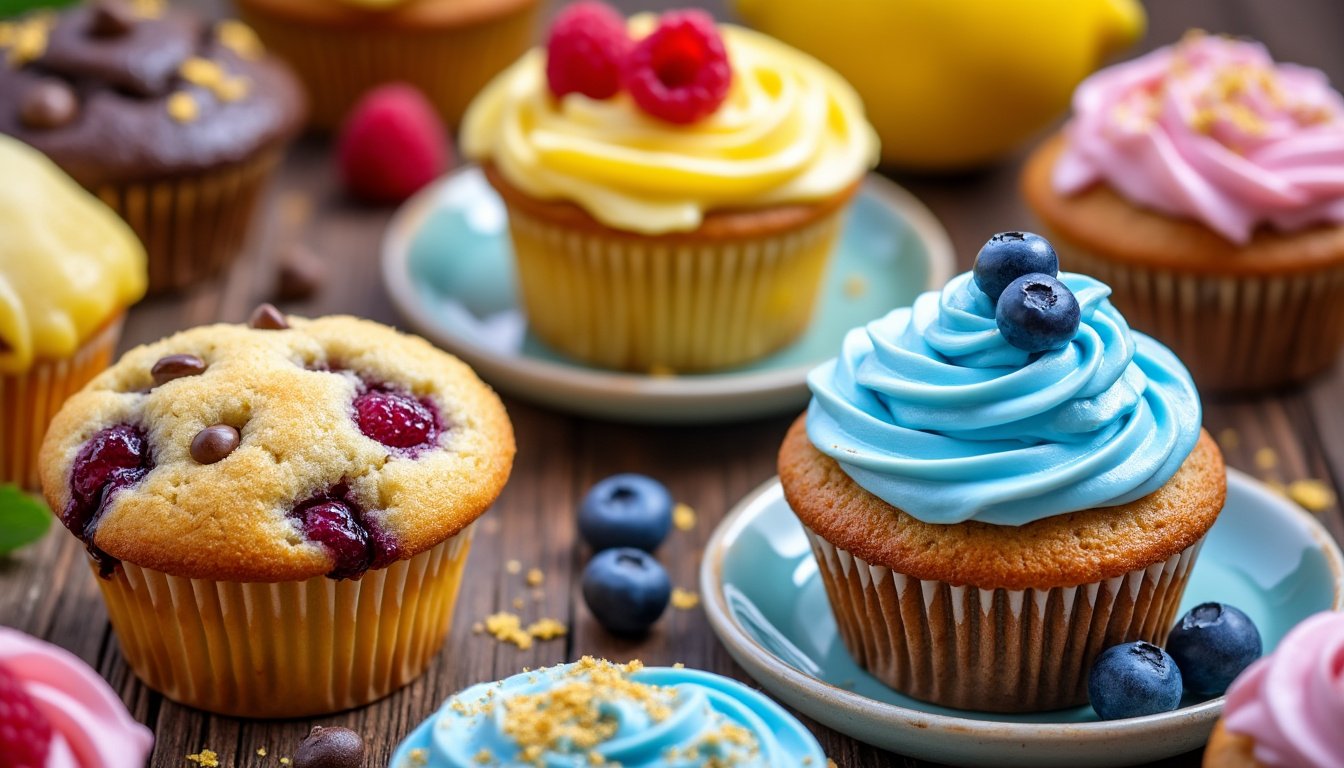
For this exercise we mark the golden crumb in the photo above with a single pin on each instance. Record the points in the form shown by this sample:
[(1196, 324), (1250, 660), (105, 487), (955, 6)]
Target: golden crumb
[(1229, 439), (261, 751), (684, 599), (855, 286), (678, 665), (508, 628), (547, 629), (478, 627), (807, 760), (239, 38), (535, 577), (183, 108), (1266, 458), (484, 757), (518, 603), (513, 567), (232, 89), (417, 758), (1313, 495), (683, 517), (284, 761), (206, 758)]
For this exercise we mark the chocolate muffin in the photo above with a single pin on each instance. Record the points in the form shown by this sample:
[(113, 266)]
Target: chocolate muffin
[(173, 121)]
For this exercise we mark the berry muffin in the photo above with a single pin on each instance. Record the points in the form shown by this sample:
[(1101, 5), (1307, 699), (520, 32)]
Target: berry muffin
[(1205, 184), (999, 483), (62, 714), (668, 716), (173, 122), (447, 49), (68, 269), (674, 188), (1285, 710), (280, 512)]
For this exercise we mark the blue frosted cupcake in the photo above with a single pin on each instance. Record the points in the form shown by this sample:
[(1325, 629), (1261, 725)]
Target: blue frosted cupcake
[(594, 712)]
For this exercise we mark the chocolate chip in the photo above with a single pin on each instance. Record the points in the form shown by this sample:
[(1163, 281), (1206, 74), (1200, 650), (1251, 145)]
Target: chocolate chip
[(267, 318), (330, 748), (47, 104), (214, 443), (175, 367), (300, 274), (112, 18)]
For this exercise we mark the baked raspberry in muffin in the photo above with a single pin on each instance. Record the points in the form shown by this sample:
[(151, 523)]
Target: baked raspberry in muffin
[(280, 511)]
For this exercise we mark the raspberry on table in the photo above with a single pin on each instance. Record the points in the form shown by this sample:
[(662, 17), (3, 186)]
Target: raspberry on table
[(586, 50), (25, 732), (680, 72)]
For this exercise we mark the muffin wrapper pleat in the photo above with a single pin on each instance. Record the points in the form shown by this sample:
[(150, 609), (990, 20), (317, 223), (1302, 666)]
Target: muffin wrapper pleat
[(29, 400), (1236, 333), (449, 64), (193, 225), (288, 649), (994, 650), (669, 304)]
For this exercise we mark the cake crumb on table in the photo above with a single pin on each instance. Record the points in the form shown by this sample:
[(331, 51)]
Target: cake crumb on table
[(1266, 458), (1229, 439), (206, 758), (1313, 495), (684, 599), (535, 577), (683, 517), (513, 567), (261, 751)]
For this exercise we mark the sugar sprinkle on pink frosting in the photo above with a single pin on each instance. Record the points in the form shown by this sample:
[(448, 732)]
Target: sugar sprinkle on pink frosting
[(1214, 130)]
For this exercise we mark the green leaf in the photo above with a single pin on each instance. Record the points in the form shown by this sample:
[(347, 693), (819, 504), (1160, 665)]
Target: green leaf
[(23, 519)]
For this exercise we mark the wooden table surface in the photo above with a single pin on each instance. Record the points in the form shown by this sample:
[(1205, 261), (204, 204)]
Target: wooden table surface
[(46, 589)]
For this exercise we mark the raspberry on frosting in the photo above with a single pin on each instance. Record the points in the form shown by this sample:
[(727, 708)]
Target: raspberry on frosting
[(586, 51), (680, 71)]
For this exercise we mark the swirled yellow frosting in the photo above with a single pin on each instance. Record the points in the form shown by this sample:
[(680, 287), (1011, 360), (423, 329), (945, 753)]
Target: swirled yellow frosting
[(790, 131), (67, 262)]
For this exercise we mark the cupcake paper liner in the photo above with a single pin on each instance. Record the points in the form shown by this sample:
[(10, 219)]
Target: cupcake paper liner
[(30, 400), (996, 650), (338, 64), (192, 225), (668, 304), (289, 649), (1236, 333)]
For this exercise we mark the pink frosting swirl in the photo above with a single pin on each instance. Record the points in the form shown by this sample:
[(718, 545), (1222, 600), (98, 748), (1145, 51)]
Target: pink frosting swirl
[(1292, 702), (1211, 129), (92, 728)]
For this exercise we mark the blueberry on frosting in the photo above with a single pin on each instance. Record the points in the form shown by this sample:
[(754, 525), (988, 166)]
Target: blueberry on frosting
[(1037, 313), (1010, 255)]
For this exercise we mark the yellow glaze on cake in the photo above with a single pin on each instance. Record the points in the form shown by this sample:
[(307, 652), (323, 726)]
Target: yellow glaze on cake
[(790, 131), (67, 262)]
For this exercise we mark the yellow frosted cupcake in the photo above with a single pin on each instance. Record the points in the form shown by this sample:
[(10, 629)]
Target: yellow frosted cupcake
[(69, 267), (281, 512), (673, 199)]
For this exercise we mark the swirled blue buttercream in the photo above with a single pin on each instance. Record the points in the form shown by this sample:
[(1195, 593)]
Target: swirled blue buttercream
[(932, 411), (668, 718)]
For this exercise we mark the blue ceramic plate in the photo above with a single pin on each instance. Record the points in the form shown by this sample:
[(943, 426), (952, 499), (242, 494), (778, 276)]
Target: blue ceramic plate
[(449, 270), (766, 601)]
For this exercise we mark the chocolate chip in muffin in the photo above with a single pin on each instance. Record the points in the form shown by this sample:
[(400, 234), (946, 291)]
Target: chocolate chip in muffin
[(175, 367), (48, 103), (112, 18), (267, 318), (212, 444), (333, 747)]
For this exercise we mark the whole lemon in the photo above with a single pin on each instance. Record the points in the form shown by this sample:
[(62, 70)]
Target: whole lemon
[(953, 84)]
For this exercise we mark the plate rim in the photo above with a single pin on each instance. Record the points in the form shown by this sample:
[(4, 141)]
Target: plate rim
[(768, 670), (618, 390)]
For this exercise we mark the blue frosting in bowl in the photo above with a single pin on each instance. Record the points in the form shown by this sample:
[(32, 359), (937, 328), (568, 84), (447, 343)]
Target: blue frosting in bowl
[(931, 410)]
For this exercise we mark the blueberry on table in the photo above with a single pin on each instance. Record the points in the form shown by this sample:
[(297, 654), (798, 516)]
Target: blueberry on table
[(1010, 255), (1133, 680), (626, 511), (1212, 644), (626, 589), (1037, 313)]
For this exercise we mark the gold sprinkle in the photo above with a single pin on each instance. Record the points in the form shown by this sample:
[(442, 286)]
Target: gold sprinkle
[(28, 39), (239, 38), (683, 517), (284, 761), (484, 757), (206, 758), (535, 577), (183, 108), (261, 751), (513, 567), (684, 599), (417, 758), (855, 286), (1266, 458), (232, 89), (202, 72), (1313, 495), (1229, 439), (508, 628), (518, 603), (547, 629), (678, 665)]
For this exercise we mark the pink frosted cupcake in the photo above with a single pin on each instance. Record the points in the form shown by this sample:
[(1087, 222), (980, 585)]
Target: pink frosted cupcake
[(56, 712)]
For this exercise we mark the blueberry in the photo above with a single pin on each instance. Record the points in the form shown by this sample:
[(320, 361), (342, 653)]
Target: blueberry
[(1212, 644), (1133, 680), (626, 589), (1010, 255), (626, 511), (1037, 313)]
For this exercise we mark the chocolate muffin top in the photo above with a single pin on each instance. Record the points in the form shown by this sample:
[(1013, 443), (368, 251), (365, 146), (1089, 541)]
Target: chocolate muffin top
[(121, 91), (277, 451)]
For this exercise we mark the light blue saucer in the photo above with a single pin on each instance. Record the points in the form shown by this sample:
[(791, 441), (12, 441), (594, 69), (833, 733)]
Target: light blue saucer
[(766, 602), (449, 270)]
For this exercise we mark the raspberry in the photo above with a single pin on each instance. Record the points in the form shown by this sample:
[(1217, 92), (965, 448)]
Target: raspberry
[(25, 732), (113, 458), (333, 524), (395, 419), (680, 72), (391, 145), (586, 50)]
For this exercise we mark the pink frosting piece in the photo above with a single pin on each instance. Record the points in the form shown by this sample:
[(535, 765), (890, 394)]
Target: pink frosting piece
[(92, 727), (1292, 702), (1211, 129)]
